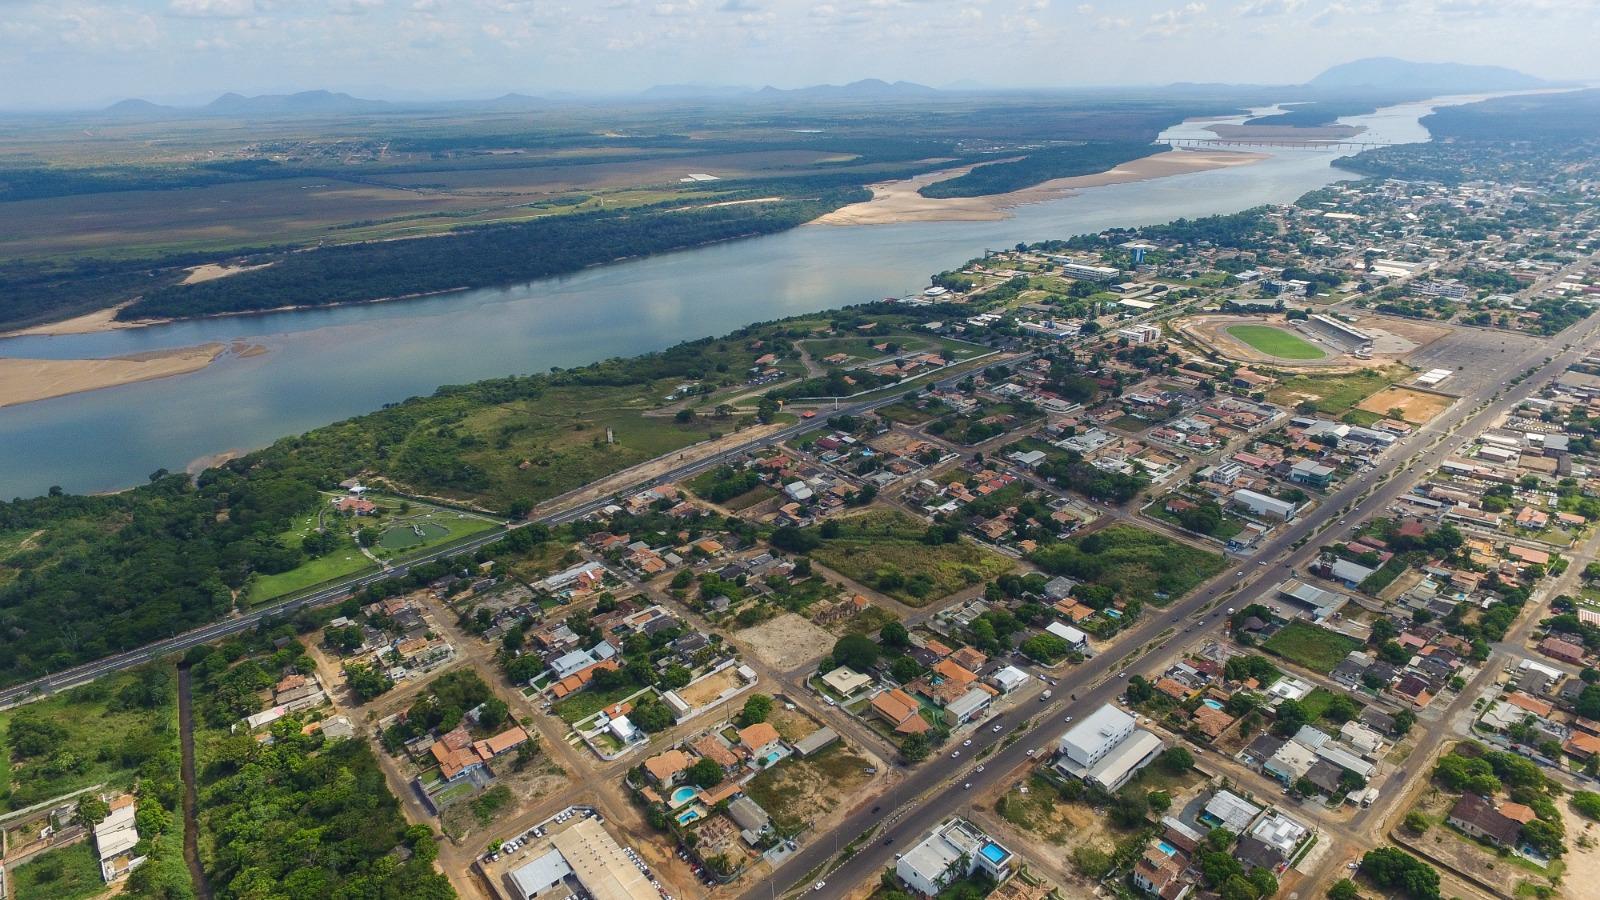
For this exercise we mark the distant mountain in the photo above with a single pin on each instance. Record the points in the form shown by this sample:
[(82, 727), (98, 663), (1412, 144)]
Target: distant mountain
[(866, 89), (302, 103), (1388, 73), (135, 108)]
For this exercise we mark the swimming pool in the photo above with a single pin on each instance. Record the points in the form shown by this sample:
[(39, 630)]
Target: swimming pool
[(1166, 848), (689, 815), (683, 795), (1214, 704), (771, 760), (994, 852), (1112, 613)]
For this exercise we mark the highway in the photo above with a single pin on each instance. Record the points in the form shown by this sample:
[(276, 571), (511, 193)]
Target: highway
[(935, 791)]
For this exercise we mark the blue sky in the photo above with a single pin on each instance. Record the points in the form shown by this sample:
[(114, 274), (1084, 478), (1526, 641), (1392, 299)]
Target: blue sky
[(88, 52)]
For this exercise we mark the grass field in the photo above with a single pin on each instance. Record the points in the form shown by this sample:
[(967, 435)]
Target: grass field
[(797, 792), (439, 526), (70, 873), (1334, 394), (344, 560), (1139, 564), (585, 703), (884, 550), (1304, 644), (1275, 342), (100, 735)]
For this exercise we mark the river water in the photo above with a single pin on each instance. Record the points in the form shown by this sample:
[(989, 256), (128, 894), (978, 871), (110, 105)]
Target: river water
[(324, 365)]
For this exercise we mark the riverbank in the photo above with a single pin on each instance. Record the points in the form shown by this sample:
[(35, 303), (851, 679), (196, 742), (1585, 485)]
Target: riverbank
[(896, 202), (28, 380)]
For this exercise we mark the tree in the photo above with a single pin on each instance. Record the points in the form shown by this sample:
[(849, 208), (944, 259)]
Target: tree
[(905, 669), (1391, 867), (1176, 760), (1139, 689), (1545, 837), (1344, 889), (91, 811), (915, 748), (857, 651), (894, 635), (1587, 803), (492, 713), (1342, 708), (367, 682), (1403, 720), (704, 772), (1291, 717), (1416, 822), (31, 734), (756, 709)]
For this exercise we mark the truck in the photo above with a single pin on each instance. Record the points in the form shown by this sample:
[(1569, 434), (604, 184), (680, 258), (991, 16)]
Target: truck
[(1044, 696)]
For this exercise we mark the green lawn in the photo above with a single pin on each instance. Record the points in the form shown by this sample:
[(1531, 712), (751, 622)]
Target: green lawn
[(1139, 564), (439, 526), (884, 550), (100, 733), (1304, 644), (1275, 342), (585, 703), (344, 560), (70, 873)]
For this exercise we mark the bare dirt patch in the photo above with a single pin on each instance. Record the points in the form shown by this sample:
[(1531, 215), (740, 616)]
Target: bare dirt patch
[(786, 642), (710, 688), (797, 792), (792, 724), (213, 271), (1417, 407), (27, 380)]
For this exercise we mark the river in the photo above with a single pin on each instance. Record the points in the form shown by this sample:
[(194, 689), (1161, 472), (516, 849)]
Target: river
[(324, 365)]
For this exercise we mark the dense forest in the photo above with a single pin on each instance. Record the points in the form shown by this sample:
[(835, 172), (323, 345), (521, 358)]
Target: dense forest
[(1039, 166), (480, 257)]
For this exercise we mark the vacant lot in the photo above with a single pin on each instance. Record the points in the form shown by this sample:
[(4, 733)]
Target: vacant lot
[(710, 688), (1275, 342), (1415, 407), (1304, 644), (66, 874), (786, 641), (1138, 564), (885, 549), (100, 733), (797, 792), (1334, 394)]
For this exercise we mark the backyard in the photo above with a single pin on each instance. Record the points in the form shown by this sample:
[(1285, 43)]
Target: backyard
[(1304, 644), (885, 550)]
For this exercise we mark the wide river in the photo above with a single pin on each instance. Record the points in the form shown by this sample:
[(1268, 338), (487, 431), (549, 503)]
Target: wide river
[(330, 364)]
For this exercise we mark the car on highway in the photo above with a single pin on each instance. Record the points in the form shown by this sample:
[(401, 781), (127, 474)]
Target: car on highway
[(819, 885), (996, 728), (954, 754), (1030, 751), (1068, 720), (967, 786), (967, 742)]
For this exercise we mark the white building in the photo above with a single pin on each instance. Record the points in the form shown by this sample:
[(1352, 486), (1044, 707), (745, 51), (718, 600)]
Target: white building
[(1262, 505), (1092, 738), (1075, 638), (1105, 749), (934, 863)]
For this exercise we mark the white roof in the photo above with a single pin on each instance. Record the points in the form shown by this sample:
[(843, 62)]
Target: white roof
[(1066, 633), (967, 703), (1009, 677), (1097, 728), (540, 875), (1127, 756), (1279, 831)]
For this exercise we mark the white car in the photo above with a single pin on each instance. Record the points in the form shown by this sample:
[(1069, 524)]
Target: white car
[(954, 754), (967, 786), (1069, 720), (967, 742), (1030, 751), (995, 729), (819, 885)]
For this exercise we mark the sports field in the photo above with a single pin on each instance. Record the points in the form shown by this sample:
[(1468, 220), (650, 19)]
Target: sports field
[(1275, 342)]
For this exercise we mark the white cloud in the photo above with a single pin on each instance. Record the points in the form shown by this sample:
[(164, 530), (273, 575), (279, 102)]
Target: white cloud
[(213, 9), (1172, 22), (1261, 8)]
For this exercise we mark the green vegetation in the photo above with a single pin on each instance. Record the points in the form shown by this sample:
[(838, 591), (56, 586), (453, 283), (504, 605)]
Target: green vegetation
[(1275, 342), (105, 732), (1391, 867), (1039, 166), (725, 484), (1333, 394), (1137, 564), (1315, 648), (70, 873), (889, 551)]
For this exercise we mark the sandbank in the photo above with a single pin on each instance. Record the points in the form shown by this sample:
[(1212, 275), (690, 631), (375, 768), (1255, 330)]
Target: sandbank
[(898, 201), (27, 380), (213, 271), (1287, 134)]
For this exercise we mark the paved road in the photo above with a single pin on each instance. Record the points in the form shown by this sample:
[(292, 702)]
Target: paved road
[(83, 674), (936, 790)]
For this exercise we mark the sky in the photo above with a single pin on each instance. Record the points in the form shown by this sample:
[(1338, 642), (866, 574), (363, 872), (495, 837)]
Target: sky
[(85, 53)]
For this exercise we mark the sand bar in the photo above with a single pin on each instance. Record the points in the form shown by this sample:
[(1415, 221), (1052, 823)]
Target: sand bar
[(27, 380), (898, 201)]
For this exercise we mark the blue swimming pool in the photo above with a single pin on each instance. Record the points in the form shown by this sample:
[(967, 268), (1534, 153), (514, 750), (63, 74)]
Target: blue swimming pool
[(683, 795), (994, 852), (1214, 704), (772, 759), (1112, 613), (689, 815), (1166, 848)]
